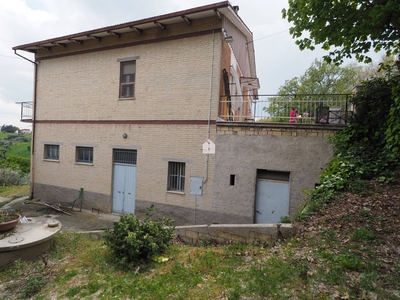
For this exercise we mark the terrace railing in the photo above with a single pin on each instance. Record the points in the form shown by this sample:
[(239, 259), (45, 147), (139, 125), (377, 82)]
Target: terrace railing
[(26, 111), (311, 109)]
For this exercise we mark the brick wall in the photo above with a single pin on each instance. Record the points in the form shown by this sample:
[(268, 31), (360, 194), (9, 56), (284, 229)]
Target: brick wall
[(155, 144), (78, 104)]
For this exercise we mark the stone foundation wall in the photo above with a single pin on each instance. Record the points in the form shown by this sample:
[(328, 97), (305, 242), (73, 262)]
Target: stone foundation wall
[(243, 234)]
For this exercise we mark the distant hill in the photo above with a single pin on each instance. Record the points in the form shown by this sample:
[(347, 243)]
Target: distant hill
[(16, 144)]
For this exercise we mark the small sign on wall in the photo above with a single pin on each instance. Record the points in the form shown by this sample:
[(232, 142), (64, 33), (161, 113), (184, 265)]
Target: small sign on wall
[(208, 147)]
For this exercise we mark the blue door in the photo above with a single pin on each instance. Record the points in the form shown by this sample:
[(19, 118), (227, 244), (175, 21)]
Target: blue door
[(124, 187), (272, 200)]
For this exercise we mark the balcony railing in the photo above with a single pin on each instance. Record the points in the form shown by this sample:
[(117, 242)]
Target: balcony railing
[(311, 109), (26, 111)]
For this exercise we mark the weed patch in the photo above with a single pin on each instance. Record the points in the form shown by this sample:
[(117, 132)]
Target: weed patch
[(33, 285)]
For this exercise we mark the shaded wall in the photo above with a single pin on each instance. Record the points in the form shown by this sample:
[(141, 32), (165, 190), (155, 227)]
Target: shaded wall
[(242, 148)]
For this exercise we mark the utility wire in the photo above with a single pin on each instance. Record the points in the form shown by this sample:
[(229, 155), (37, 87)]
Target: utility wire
[(271, 35), (10, 56)]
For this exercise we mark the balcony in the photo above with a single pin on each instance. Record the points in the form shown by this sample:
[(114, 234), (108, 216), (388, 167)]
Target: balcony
[(26, 111), (311, 109)]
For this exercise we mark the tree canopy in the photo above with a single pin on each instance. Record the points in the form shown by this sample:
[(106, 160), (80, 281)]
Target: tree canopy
[(323, 78), (9, 128), (321, 82), (352, 27)]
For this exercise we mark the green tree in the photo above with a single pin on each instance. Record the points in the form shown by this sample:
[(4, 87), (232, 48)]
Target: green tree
[(9, 128), (321, 78), (352, 28)]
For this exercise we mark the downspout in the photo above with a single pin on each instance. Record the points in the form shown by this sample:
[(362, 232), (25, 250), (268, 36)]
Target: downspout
[(209, 104), (33, 123)]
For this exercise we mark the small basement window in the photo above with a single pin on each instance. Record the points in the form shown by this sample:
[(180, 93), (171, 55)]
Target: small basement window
[(84, 155), (232, 180), (176, 176), (52, 152)]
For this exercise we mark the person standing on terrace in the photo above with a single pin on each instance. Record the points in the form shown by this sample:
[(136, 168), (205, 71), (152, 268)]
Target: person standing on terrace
[(293, 115)]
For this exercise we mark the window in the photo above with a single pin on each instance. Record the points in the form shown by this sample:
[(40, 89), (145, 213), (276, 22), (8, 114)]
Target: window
[(176, 176), (232, 180), (52, 152), (84, 154), (127, 79), (125, 156)]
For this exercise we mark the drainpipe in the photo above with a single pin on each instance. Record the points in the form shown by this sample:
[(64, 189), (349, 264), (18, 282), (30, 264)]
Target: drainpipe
[(209, 104), (33, 122)]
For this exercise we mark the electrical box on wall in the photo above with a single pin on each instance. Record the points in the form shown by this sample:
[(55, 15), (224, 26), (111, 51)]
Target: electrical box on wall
[(196, 186)]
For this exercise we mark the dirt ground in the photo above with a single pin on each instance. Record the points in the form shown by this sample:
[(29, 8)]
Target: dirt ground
[(73, 221)]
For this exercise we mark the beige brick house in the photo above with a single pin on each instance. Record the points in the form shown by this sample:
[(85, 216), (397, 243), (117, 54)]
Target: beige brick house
[(123, 111)]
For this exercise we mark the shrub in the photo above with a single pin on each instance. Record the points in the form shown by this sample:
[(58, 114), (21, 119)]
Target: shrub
[(10, 177), (21, 164), (133, 240)]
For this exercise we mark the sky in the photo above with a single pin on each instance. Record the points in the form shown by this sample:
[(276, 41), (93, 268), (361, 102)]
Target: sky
[(25, 21)]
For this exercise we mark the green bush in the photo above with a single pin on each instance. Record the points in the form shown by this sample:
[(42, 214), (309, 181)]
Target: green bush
[(21, 164), (133, 240), (10, 177)]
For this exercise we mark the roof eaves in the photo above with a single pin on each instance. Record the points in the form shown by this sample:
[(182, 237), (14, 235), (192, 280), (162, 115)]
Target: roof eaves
[(210, 7)]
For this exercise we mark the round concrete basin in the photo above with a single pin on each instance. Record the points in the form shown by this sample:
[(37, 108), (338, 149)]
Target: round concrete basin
[(27, 240)]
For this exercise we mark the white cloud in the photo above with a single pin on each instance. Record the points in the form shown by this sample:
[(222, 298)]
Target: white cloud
[(18, 9)]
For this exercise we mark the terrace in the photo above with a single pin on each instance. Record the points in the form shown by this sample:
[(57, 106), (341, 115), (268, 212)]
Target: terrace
[(311, 109)]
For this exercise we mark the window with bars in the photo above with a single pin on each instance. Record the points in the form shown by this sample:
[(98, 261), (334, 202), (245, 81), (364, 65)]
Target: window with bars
[(84, 154), (125, 156), (176, 176), (127, 79), (52, 152)]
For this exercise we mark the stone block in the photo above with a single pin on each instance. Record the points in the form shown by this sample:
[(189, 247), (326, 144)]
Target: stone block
[(255, 235)]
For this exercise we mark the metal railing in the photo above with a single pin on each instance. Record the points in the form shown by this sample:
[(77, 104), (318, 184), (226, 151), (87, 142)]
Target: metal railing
[(26, 111), (311, 109)]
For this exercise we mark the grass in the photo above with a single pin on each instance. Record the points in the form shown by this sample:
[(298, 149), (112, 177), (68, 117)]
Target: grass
[(13, 192), (81, 267), (335, 259), (19, 149), (85, 270)]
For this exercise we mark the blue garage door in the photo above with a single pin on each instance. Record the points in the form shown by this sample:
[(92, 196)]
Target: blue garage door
[(272, 197)]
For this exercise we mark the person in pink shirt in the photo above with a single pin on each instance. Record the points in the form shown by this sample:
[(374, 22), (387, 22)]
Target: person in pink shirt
[(293, 115)]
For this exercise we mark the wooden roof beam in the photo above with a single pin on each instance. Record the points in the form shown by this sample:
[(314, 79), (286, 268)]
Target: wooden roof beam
[(218, 14), (138, 30), (45, 48), (76, 41), (161, 25), (60, 45), (187, 20), (94, 37), (118, 35)]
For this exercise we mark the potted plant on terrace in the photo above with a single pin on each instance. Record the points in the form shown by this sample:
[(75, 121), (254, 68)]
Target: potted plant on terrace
[(8, 219)]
